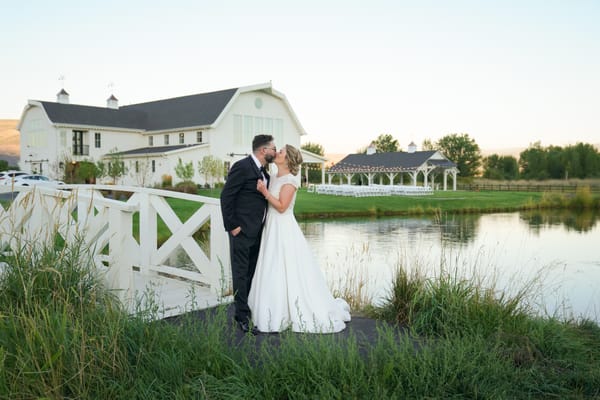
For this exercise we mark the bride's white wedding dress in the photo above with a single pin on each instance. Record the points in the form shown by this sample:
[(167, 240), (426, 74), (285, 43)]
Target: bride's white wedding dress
[(289, 290)]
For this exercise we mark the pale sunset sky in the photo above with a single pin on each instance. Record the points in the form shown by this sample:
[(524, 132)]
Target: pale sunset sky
[(508, 73)]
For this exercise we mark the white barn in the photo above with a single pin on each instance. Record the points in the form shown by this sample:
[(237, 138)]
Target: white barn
[(151, 137)]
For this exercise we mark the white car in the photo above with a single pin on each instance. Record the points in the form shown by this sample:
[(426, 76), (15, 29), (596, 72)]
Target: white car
[(6, 177), (34, 180)]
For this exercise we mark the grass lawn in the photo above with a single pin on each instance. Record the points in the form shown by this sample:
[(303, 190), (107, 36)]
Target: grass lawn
[(312, 205)]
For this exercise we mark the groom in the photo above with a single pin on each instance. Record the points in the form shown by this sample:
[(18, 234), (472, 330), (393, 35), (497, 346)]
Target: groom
[(244, 209)]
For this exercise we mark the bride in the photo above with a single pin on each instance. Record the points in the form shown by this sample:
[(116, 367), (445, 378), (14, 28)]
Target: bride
[(288, 290)]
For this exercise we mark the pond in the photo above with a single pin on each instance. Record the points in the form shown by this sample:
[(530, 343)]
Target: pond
[(553, 256)]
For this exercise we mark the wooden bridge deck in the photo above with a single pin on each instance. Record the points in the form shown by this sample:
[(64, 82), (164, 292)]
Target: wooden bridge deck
[(172, 296)]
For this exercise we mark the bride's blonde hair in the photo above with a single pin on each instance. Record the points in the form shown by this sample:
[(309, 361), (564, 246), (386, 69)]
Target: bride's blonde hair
[(294, 158)]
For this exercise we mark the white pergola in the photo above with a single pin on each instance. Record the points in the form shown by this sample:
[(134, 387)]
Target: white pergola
[(427, 163), (312, 158)]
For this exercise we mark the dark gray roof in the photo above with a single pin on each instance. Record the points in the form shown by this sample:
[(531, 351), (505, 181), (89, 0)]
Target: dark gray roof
[(155, 149), (75, 114), (388, 162), (179, 112)]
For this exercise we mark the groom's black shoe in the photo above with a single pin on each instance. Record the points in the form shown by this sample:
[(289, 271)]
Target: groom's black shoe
[(245, 327)]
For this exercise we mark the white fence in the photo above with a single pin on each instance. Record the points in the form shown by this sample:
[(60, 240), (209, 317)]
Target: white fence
[(178, 275)]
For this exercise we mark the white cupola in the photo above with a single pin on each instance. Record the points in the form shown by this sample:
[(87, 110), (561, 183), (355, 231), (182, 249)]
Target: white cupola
[(112, 102), (62, 97), (412, 147), (371, 149)]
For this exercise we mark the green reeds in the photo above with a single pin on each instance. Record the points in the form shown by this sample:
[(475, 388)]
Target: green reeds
[(62, 335)]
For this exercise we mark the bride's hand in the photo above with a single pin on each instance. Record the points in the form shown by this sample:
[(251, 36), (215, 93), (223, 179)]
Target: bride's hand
[(260, 186)]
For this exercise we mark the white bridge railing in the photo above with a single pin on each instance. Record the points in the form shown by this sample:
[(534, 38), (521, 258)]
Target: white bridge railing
[(123, 238)]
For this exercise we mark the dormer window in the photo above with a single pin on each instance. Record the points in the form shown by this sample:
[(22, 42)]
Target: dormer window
[(150, 140), (181, 138), (199, 137), (166, 139)]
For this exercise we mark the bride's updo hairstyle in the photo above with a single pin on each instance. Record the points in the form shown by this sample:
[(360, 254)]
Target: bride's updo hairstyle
[(294, 158)]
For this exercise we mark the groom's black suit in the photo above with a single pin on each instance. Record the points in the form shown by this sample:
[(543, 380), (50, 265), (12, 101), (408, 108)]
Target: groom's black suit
[(243, 206)]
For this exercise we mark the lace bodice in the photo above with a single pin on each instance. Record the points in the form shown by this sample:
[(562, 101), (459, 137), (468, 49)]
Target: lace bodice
[(275, 187)]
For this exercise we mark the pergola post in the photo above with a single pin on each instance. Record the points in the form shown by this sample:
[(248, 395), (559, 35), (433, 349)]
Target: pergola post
[(391, 176), (454, 180), (445, 180), (413, 175)]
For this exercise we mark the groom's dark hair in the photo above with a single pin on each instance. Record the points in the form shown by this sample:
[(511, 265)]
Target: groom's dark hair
[(260, 141)]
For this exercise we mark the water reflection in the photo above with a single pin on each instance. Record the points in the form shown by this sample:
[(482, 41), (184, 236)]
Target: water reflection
[(582, 221), (507, 249), (460, 229)]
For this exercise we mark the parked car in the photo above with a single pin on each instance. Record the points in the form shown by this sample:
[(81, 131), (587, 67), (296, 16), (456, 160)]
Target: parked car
[(6, 177), (34, 180)]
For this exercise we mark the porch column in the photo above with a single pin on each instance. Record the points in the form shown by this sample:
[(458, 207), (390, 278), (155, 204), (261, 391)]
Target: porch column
[(454, 180), (305, 175)]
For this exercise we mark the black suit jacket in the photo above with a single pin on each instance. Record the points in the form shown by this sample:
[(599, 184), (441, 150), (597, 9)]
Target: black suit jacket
[(241, 204)]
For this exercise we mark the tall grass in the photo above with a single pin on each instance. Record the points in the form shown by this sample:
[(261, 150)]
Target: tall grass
[(62, 335), (524, 354)]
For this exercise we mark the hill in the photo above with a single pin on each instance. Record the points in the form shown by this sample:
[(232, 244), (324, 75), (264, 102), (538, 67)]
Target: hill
[(9, 141)]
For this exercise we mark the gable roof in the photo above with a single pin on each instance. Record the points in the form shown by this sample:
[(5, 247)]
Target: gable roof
[(76, 114), (178, 112), (388, 162)]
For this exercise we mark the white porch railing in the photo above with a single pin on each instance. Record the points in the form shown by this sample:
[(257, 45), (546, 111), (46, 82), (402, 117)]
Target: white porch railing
[(182, 273)]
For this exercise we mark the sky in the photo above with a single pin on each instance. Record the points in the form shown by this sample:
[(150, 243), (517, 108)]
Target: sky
[(507, 73)]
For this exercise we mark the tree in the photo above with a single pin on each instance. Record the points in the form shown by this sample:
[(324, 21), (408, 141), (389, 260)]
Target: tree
[(582, 161), (463, 151), (115, 168), (385, 143), (555, 162), (185, 172), (141, 171), (314, 169), (86, 172), (428, 145), (212, 168), (500, 167), (314, 148), (3, 165), (533, 162)]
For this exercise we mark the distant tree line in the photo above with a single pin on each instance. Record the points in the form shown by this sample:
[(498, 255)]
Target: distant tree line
[(578, 161)]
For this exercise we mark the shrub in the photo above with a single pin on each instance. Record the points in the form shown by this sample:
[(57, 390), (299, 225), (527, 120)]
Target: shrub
[(167, 180), (583, 198), (553, 200), (186, 187)]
